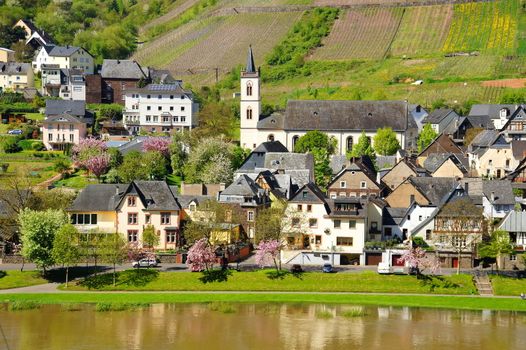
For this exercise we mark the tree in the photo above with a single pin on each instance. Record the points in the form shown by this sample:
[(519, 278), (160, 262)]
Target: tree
[(385, 142), (86, 149), (322, 168), (132, 168), (201, 256), (62, 166), (216, 118), (418, 259), (202, 158), (498, 245), (156, 165), (149, 237), (427, 135), (66, 248), (315, 140), (158, 144), (362, 148), (98, 164), (113, 251), (38, 229), (115, 157), (179, 151), (268, 252)]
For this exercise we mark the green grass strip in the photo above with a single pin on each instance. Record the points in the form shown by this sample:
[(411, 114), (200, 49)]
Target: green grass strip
[(440, 302)]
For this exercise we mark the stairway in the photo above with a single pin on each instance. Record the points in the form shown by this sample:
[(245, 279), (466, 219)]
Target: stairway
[(483, 284)]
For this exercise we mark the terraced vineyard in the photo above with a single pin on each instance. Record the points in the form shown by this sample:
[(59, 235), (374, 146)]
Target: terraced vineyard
[(466, 67), (180, 7), (423, 30), (359, 34), (484, 26)]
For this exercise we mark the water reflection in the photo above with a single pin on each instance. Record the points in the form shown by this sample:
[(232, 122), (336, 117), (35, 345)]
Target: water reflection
[(262, 326)]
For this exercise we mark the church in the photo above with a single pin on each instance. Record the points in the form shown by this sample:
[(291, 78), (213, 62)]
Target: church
[(343, 120)]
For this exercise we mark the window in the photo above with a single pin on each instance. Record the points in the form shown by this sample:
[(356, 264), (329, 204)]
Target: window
[(333, 195), (50, 137), (84, 219), (249, 89), (70, 127), (250, 216), (147, 218), (183, 119), (71, 137), (148, 96), (388, 231), (132, 201), (171, 108), (300, 207), (309, 208), (513, 257), (419, 217), (349, 143), (317, 240), (337, 223), (160, 97), (295, 222), (346, 241), (148, 118), (342, 194), (270, 137), (313, 223), (343, 184), (352, 224), (182, 108), (249, 113), (428, 235), (408, 217), (363, 184), (192, 207), (132, 235), (148, 108), (132, 218), (171, 236), (165, 218), (155, 119), (490, 162), (159, 108)]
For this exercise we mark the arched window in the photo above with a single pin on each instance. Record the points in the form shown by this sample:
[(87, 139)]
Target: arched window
[(294, 140), (249, 113), (349, 143), (270, 137), (249, 89)]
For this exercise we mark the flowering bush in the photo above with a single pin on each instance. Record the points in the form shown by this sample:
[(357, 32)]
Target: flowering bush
[(268, 252), (98, 164), (417, 258), (158, 144), (201, 256), (86, 149)]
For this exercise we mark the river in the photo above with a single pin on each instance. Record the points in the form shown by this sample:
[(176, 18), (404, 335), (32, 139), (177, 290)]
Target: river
[(261, 326)]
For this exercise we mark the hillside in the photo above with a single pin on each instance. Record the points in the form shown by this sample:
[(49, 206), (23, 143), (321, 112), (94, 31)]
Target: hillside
[(374, 49)]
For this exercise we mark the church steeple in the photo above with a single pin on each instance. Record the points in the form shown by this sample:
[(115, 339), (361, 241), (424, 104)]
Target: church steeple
[(251, 67)]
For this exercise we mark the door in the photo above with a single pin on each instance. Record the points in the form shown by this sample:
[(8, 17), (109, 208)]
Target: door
[(454, 262), (395, 262), (373, 258)]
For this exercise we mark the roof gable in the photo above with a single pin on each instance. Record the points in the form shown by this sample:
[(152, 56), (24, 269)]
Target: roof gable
[(310, 193), (441, 144)]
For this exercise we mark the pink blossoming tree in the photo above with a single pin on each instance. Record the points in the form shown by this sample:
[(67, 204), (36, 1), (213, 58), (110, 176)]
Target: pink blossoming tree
[(418, 259), (268, 253), (86, 149), (98, 165), (201, 256), (158, 144)]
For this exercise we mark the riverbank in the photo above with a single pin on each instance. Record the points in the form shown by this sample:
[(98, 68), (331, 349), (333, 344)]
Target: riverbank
[(425, 301), (19, 279)]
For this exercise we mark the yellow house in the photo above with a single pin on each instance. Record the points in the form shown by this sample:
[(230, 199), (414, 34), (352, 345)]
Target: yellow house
[(128, 209), (6, 55)]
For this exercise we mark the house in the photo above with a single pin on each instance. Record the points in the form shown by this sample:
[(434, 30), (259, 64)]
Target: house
[(343, 120), (246, 195), (118, 76), (418, 113), (66, 122), (6, 55), (491, 116), (127, 209), (421, 190), (159, 108), (68, 84), (400, 222), (34, 36), (402, 170), (93, 88), (356, 180), (498, 198), (514, 125), (256, 158), (515, 224), (440, 119), (458, 129), (66, 57), (441, 144), (446, 165), (15, 76)]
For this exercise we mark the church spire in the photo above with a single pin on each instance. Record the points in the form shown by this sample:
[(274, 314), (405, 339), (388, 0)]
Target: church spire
[(251, 67)]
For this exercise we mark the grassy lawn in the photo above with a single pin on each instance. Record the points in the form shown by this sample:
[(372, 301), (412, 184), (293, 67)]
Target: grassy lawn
[(77, 180), (508, 286), (17, 279), (152, 280), (34, 116), (451, 302)]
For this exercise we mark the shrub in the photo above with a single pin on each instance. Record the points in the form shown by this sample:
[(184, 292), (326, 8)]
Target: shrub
[(11, 145), (23, 305), (38, 146)]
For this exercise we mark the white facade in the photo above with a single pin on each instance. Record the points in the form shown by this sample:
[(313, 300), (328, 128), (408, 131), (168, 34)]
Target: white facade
[(66, 84), (159, 108), (72, 58)]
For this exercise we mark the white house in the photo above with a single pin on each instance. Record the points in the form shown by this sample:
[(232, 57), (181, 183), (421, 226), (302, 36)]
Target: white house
[(343, 120), (66, 57), (159, 108), (68, 84), (440, 118)]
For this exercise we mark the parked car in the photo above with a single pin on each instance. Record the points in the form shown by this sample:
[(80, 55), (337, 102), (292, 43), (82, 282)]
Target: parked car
[(327, 268), (145, 263), (15, 132), (296, 268)]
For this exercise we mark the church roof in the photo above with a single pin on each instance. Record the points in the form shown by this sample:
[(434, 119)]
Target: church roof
[(251, 67)]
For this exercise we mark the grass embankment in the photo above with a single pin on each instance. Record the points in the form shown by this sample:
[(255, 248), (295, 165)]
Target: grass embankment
[(440, 302), (17, 279), (508, 286), (151, 280)]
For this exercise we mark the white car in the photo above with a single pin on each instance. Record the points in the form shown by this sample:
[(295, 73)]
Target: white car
[(384, 268), (145, 263)]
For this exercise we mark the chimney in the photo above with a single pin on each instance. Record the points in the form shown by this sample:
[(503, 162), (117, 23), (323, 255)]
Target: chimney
[(411, 198), (492, 196), (116, 190), (466, 187)]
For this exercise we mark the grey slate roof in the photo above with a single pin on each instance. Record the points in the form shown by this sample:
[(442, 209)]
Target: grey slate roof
[(514, 221), (62, 118), (289, 161), (74, 108), (345, 115), (251, 67), (274, 121), (60, 51), (437, 115), (501, 189), (122, 69), (484, 139), (481, 121), (256, 158), (271, 146), (242, 186), (393, 216), (155, 195), (14, 68), (435, 160), (518, 148), (490, 110), (434, 188), (385, 161), (185, 200), (338, 163)]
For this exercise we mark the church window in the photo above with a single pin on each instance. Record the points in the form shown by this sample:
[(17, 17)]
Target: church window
[(249, 113), (249, 89), (349, 143), (270, 137)]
